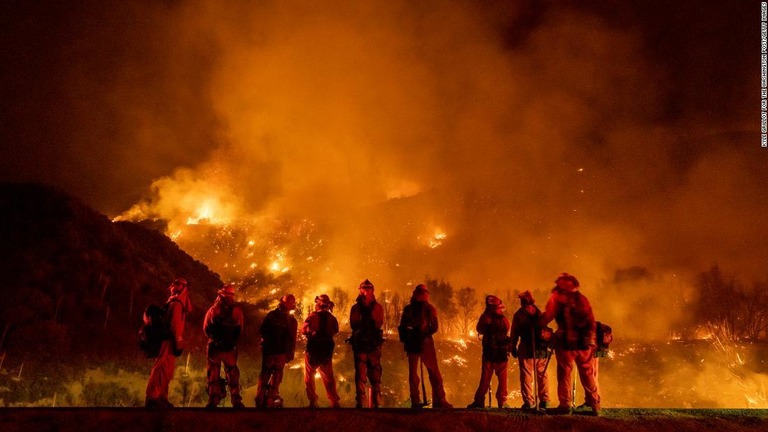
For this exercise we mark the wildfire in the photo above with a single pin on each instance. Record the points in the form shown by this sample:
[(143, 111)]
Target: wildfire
[(203, 215), (279, 263), (462, 343), (437, 238), (456, 360)]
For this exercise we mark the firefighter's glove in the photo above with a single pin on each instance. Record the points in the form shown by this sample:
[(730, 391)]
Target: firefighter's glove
[(178, 347)]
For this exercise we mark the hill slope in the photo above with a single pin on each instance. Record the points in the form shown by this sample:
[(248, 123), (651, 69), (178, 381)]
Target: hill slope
[(73, 285)]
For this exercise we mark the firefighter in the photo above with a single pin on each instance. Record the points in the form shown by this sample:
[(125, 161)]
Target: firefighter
[(600, 352), (531, 352), (223, 325), (178, 306), (319, 329), (278, 343), (575, 341), (417, 325), (366, 319), (494, 327)]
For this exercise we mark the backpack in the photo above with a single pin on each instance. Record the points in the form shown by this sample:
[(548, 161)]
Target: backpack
[(320, 346), (543, 337), (575, 313), (277, 333), (604, 339), (367, 338), (155, 329), (495, 348), (224, 330), (409, 331), (496, 345)]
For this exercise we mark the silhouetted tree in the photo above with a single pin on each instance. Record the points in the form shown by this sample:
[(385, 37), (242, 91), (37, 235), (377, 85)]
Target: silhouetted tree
[(341, 299), (721, 304), (466, 300), (757, 310), (441, 295)]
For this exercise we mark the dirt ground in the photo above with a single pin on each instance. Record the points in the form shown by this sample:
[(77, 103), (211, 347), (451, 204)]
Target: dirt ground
[(299, 419)]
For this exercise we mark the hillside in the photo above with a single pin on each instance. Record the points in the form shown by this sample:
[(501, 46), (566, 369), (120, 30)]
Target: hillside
[(73, 286)]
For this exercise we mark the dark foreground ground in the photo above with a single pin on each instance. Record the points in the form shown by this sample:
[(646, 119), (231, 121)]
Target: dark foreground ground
[(296, 420)]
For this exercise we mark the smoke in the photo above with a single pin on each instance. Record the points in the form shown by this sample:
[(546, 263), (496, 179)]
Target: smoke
[(494, 146)]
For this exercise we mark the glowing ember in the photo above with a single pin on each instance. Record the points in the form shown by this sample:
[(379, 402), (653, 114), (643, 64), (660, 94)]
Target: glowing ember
[(462, 343), (456, 360)]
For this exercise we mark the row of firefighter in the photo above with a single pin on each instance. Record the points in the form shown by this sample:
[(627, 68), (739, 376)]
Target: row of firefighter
[(578, 339)]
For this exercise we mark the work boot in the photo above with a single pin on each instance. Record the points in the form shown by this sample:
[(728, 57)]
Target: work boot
[(158, 404), (442, 405), (260, 401), (278, 402), (562, 410), (582, 407), (238, 405), (596, 411), (475, 405), (213, 403), (335, 405), (527, 407), (312, 405), (504, 406), (543, 405)]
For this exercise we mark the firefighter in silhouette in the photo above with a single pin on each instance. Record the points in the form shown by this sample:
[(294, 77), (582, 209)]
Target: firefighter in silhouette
[(531, 353), (604, 338), (177, 307), (278, 336), (223, 325), (366, 319), (417, 325), (575, 341), (493, 325), (319, 329)]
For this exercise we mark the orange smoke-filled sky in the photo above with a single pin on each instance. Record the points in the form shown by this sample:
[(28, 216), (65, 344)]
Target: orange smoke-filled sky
[(538, 137)]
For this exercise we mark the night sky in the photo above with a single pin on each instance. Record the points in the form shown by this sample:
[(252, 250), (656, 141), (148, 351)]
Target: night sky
[(536, 136)]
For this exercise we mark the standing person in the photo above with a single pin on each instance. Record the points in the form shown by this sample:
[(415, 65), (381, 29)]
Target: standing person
[(530, 358), (417, 325), (176, 309), (494, 326), (223, 325), (319, 328), (575, 341), (366, 319), (278, 343), (604, 337)]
